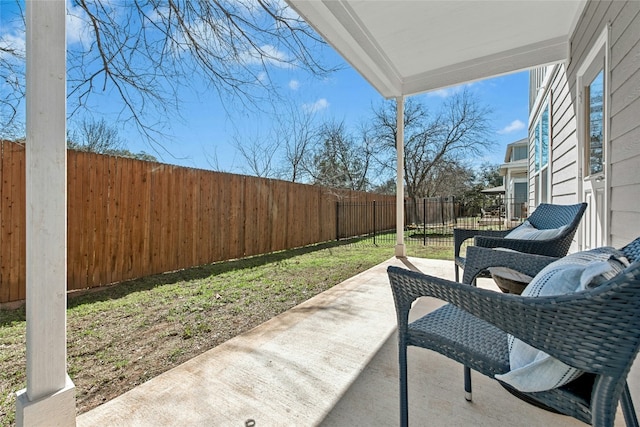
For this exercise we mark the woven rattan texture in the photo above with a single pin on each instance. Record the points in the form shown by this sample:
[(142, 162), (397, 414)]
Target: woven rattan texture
[(632, 250), (545, 216), (597, 331), (462, 337)]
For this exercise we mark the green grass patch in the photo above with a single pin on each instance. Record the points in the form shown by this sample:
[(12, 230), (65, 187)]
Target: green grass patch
[(123, 335)]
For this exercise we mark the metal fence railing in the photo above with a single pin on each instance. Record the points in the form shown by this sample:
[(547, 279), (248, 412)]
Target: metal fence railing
[(428, 221)]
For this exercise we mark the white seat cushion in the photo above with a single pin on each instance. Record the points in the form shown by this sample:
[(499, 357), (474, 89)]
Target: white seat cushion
[(526, 231)]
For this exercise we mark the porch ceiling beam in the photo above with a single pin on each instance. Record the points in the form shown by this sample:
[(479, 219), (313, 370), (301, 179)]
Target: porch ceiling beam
[(522, 58), (407, 47)]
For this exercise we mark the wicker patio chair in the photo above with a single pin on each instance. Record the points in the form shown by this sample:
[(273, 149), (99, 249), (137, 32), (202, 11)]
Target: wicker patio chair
[(596, 331), (546, 216)]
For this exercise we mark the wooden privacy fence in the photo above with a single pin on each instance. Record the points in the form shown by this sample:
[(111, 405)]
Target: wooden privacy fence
[(430, 211), (365, 218), (128, 218)]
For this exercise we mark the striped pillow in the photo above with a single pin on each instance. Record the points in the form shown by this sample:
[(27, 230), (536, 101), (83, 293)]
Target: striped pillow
[(532, 369)]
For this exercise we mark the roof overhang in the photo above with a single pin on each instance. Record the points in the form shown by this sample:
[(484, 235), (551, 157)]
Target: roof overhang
[(405, 47), (494, 190), (517, 167)]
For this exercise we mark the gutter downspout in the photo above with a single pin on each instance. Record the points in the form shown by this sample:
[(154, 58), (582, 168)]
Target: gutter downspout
[(401, 250)]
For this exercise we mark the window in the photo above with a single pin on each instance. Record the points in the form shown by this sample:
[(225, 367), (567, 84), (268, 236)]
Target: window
[(540, 137), (593, 127), (594, 120), (519, 153), (591, 82)]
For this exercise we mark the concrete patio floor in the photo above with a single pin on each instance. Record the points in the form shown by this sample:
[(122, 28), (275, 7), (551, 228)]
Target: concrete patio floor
[(331, 361)]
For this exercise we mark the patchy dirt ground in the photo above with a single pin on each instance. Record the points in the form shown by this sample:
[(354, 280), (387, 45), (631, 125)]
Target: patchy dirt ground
[(124, 335)]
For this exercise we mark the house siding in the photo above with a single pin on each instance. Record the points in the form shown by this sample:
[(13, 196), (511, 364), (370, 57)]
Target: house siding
[(563, 142), (623, 110), (623, 155), (624, 123), (563, 150)]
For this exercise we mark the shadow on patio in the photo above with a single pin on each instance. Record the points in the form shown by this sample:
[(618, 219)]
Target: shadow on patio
[(329, 361)]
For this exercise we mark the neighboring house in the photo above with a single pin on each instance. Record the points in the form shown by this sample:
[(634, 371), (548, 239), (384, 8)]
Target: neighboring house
[(584, 125), (514, 172)]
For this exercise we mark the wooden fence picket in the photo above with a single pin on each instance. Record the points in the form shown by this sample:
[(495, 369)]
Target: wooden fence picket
[(129, 218)]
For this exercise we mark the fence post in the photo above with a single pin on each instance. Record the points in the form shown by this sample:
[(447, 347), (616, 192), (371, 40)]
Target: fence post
[(337, 220), (455, 207), (424, 221), (374, 222)]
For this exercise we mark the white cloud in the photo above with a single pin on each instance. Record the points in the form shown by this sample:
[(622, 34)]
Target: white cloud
[(77, 31), (444, 93), (268, 54), (77, 25), (294, 84), (13, 41), (449, 91), (275, 57), (320, 104), (158, 14), (514, 126)]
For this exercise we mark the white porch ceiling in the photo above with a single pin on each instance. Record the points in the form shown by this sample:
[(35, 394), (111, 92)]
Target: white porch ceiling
[(404, 47)]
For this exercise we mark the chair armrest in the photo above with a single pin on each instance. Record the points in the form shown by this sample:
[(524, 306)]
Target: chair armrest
[(551, 247), (462, 234), (496, 308), (479, 259)]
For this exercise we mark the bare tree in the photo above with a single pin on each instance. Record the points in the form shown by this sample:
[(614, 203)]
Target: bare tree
[(99, 137), (12, 75), (296, 132), (259, 154), (148, 51), (459, 130), (338, 159), (212, 160), (95, 137), (449, 178)]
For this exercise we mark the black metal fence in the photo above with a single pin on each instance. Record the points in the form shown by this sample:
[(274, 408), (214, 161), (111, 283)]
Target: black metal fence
[(428, 221)]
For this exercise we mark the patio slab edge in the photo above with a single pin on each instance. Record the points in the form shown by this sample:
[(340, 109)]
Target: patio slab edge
[(290, 370)]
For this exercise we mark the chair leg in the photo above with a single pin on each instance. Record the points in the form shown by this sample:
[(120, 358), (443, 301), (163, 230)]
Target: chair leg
[(404, 404), (467, 383), (628, 410), (457, 270)]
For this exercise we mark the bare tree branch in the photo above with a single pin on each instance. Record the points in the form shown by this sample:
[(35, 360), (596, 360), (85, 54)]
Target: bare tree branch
[(434, 145), (147, 53), (259, 154)]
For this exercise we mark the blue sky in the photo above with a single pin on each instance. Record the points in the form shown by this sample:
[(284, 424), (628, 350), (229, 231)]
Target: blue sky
[(203, 138), (343, 96)]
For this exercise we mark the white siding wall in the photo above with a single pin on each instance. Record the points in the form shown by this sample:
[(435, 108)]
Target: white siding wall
[(563, 150), (624, 108), (564, 142)]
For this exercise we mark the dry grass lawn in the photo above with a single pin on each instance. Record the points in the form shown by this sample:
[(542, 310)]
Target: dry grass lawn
[(123, 335)]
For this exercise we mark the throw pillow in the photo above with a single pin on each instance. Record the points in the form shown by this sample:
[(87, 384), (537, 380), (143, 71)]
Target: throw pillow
[(534, 370), (526, 231)]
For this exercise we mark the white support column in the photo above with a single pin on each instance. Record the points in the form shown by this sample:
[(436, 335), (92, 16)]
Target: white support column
[(508, 198), (401, 250), (49, 398)]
